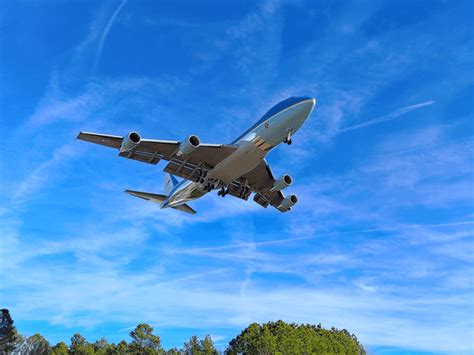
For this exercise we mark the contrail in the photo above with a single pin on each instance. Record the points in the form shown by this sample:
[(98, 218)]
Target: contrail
[(389, 117), (105, 33), (289, 240)]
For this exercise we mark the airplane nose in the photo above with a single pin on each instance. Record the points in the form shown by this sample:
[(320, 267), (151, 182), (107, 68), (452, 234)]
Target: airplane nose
[(301, 113), (310, 104), (306, 107)]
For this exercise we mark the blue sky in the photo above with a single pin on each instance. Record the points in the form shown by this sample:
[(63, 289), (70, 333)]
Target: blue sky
[(381, 240)]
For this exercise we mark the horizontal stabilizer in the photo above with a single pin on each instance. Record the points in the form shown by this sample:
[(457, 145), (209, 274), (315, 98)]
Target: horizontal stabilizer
[(147, 196), (158, 198), (185, 208)]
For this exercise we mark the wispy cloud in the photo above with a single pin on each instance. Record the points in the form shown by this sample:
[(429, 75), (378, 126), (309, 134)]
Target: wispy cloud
[(105, 33), (331, 234), (124, 260), (388, 117)]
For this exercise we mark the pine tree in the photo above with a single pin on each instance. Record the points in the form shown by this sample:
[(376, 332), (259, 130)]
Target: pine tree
[(9, 337)]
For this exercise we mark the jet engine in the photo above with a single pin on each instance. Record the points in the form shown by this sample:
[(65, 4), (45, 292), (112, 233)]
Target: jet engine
[(288, 202), (282, 183), (189, 145), (130, 141)]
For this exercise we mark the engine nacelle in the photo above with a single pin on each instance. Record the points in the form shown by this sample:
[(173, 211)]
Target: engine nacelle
[(130, 141), (188, 145), (288, 202), (282, 183)]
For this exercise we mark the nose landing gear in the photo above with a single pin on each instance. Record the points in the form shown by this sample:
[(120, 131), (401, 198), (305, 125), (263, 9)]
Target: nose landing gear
[(288, 140)]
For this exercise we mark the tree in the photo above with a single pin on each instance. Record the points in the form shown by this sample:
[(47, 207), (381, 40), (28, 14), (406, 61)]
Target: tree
[(121, 348), (196, 347), (174, 351), (60, 349), (284, 338), (144, 341), (80, 346), (101, 346), (192, 346), (9, 337), (208, 347), (36, 345)]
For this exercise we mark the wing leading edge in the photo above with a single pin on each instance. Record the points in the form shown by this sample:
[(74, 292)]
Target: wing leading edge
[(151, 151)]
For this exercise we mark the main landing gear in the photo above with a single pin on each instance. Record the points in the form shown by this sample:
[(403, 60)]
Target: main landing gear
[(201, 176), (244, 192), (223, 191)]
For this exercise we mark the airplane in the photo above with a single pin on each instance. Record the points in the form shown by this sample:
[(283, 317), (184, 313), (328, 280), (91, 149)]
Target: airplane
[(238, 169)]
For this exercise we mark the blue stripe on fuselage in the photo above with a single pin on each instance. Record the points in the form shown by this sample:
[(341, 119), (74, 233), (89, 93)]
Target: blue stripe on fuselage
[(283, 105)]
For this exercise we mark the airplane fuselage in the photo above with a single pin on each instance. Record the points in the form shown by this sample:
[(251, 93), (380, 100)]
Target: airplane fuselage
[(277, 126)]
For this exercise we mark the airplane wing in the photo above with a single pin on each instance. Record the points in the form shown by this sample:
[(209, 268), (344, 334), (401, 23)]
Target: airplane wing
[(151, 151), (260, 180)]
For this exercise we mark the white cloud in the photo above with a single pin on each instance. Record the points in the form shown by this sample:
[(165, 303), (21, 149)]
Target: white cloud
[(385, 118), (105, 33)]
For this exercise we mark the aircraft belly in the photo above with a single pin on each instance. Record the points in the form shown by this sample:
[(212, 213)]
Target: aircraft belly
[(188, 193), (247, 157)]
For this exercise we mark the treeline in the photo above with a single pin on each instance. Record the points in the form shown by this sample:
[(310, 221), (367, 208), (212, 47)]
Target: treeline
[(269, 338)]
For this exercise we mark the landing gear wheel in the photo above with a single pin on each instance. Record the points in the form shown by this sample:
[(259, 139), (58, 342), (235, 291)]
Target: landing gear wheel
[(223, 191), (287, 140)]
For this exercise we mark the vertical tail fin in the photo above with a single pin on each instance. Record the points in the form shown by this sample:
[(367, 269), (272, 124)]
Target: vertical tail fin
[(169, 182)]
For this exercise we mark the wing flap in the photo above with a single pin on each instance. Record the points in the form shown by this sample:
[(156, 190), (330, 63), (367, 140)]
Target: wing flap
[(205, 157)]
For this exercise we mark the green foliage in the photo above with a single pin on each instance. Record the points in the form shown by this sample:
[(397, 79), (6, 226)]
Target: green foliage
[(262, 339), (80, 346), (144, 341), (196, 347), (174, 351), (121, 348), (208, 347), (9, 337), (60, 349), (283, 338), (37, 345), (102, 347)]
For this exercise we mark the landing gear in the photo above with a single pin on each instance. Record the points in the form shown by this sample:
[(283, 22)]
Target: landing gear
[(244, 192), (288, 140), (223, 191), (201, 177)]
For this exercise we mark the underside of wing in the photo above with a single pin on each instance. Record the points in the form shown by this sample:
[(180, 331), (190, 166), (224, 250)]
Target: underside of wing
[(102, 139), (261, 181), (198, 158)]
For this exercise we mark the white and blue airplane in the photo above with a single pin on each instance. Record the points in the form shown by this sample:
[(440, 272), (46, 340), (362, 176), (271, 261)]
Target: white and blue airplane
[(238, 169)]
